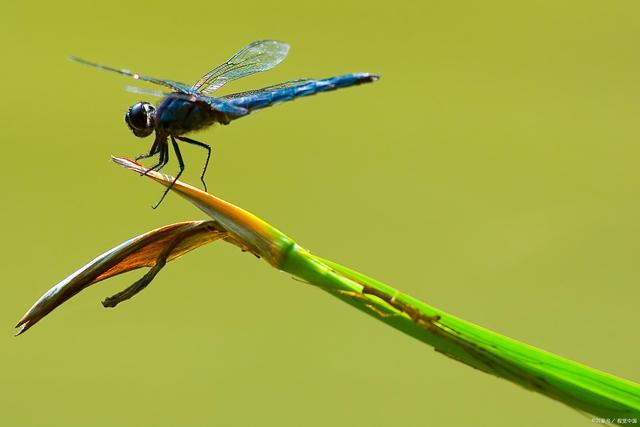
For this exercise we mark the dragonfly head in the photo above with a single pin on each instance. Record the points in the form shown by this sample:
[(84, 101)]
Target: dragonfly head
[(141, 119)]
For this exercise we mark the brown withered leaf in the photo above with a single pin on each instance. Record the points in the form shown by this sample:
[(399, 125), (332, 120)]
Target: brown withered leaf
[(152, 249)]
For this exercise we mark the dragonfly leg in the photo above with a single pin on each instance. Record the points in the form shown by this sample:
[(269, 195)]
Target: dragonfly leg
[(206, 147), (164, 158), (180, 163), (155, 149)]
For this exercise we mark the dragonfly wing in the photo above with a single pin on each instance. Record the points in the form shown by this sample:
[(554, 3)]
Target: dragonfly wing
[(173, 85), (258, 56), (150, 92), (285, 85)]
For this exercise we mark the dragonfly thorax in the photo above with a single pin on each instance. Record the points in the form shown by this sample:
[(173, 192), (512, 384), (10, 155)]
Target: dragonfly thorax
[(141, 119)]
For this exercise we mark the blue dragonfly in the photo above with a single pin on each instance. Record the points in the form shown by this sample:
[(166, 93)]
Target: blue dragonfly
[(189, 108)]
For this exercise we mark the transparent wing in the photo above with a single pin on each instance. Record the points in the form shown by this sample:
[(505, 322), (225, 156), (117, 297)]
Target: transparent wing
[(144, 91), (258, 56), (285, 85), (176, 86)]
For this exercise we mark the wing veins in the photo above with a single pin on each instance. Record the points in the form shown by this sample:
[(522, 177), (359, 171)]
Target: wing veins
[(256, 57), (176, 86)]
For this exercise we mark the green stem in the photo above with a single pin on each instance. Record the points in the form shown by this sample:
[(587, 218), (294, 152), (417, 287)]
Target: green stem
[(574, 384)]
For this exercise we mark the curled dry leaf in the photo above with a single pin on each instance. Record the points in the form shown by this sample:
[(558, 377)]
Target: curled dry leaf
[(152, 249)]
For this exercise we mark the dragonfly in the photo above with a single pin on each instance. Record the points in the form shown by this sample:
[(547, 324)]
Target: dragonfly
[(188, 108)]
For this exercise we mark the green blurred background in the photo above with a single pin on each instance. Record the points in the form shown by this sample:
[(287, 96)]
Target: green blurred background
[(492, 172)]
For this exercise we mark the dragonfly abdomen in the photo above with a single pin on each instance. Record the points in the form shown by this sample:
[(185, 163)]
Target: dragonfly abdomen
[(267, 96)]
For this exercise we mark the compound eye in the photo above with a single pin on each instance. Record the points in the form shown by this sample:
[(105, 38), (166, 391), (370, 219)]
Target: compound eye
[(140, 119)]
